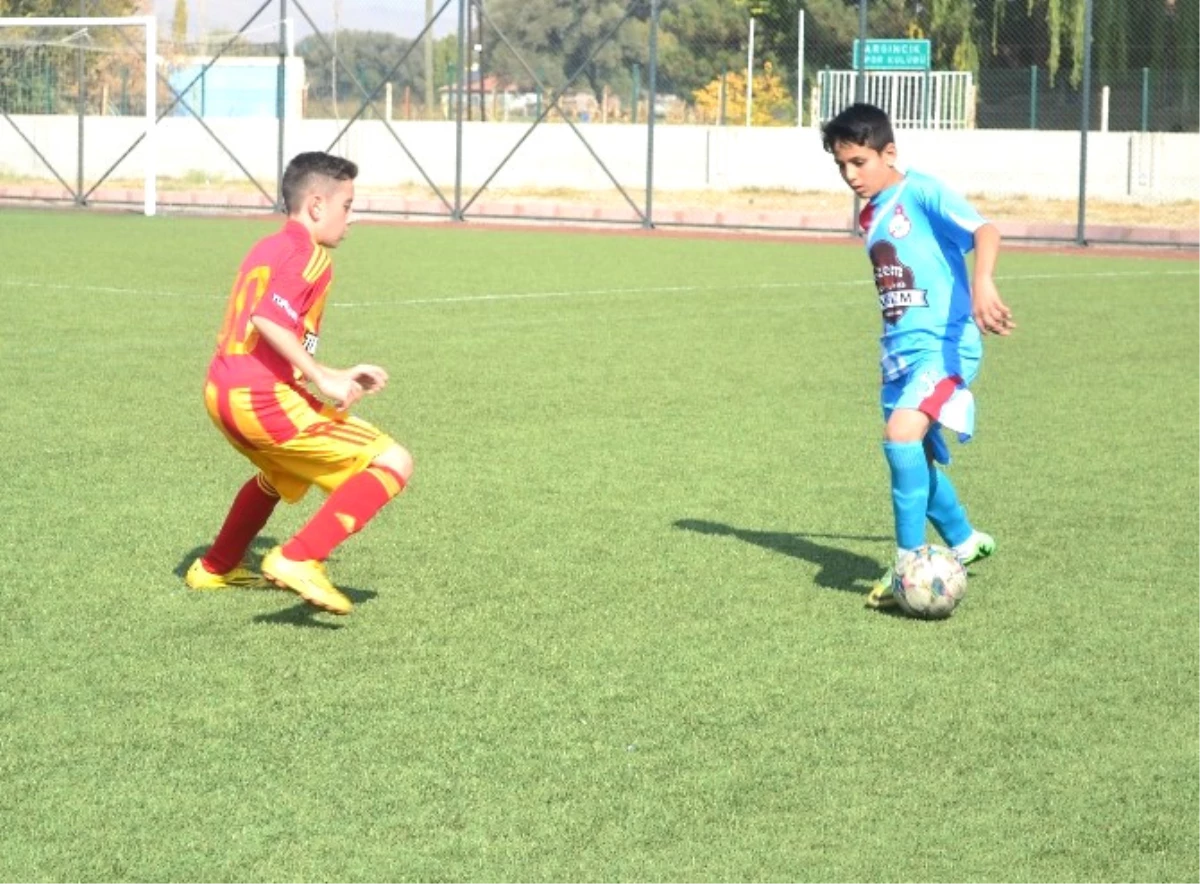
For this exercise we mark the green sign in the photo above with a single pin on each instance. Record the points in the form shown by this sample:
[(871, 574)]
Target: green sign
[(894, 55)]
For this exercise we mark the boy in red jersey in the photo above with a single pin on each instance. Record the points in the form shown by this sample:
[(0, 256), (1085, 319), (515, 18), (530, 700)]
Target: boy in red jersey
[(256, 396)]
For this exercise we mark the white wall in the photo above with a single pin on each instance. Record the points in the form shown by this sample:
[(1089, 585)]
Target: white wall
[(1152, 167)]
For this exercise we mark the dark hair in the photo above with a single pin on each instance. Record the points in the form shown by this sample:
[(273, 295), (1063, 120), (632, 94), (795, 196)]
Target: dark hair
[(305, 168), (861, 124)]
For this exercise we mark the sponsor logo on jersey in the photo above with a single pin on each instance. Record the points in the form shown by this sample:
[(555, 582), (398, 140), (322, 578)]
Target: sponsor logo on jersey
[(894, 281), (282, 303), (900, 225)]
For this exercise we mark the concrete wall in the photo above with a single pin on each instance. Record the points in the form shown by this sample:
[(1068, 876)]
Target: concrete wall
[(1135, 167)]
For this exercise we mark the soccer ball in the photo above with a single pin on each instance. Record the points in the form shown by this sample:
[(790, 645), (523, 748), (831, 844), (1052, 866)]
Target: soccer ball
[(929, 582)]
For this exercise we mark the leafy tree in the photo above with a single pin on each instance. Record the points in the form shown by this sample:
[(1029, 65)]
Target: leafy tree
[(179, 24), (556, 38), (369, 56), (771, 106)]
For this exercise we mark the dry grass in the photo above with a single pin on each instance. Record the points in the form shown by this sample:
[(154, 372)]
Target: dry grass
[(1183, 214)]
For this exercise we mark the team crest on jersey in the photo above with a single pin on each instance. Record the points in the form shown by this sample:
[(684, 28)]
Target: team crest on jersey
[(310, 342), (895, 283), (900, 225)]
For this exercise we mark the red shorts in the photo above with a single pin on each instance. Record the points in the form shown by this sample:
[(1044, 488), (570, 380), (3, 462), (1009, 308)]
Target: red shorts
[(295, 439)]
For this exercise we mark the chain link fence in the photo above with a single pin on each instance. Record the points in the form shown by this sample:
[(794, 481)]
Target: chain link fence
[(1064, 119)]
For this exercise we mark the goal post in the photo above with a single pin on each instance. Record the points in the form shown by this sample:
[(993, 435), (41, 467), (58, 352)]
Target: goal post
[(147, 140)]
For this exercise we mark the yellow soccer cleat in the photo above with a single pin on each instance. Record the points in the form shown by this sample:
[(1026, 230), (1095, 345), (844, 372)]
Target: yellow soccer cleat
[(880, 596), (307, 580), (199, 577)]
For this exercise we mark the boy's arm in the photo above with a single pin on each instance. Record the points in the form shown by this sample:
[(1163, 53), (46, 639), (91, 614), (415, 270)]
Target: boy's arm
[(991, 314), (343, 387)]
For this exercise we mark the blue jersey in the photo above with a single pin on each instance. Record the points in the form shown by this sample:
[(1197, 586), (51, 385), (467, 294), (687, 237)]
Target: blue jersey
[(918, 233)]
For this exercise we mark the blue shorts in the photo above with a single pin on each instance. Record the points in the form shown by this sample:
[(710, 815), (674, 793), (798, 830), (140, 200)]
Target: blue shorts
[(929, 386)]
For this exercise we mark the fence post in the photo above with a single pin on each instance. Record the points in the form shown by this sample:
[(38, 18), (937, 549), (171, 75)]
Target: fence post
[(648, 221), (1033, 95), (1145, 99), (280, 103), (457, 213), (1085, 122), (81, 75)]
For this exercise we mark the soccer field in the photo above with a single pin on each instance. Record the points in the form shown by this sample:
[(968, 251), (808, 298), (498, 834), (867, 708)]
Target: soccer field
[(614, 630)]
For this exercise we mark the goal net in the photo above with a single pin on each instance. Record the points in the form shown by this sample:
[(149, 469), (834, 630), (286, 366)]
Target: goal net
[(78, 104)]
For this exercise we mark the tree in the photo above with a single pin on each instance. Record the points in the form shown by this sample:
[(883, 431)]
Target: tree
[(601, 39), (772, 102), (179, 25), (367, 56)]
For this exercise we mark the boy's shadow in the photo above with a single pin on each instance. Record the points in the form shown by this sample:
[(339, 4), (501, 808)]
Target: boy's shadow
[(299, 614), (258, 548), (304, 614), (838, 568)]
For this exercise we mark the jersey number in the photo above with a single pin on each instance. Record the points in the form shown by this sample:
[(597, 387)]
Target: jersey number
[(237, 332)]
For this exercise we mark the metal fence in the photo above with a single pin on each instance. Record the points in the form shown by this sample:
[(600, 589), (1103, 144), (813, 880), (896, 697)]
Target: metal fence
[(635, 112)]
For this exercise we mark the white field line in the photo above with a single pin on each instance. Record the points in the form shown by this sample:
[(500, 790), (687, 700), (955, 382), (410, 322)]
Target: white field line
[(578, 293)]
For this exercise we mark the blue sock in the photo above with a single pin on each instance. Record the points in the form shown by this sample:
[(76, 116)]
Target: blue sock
[(910, 491), (945, 512)]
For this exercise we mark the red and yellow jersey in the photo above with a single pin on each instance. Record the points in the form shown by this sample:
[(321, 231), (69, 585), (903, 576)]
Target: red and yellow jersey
[(285, 279)]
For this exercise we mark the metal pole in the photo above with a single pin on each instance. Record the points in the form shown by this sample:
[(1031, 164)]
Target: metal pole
[(470, 54), (1085, 122), (750, 72), (800, 70), (457, 214), (1145, 99), (281, 103), (860, 78), (1033, 95), (860, 89), (428, 47), (648, 221), (150, 144), (81, 78)]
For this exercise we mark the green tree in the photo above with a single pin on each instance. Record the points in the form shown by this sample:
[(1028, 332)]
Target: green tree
[(367, 56)]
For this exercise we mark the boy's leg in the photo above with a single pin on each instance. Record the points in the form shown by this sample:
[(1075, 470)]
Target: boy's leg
[(947, 515), (298, 565), (351, 505), (909, 471), (220, 567)]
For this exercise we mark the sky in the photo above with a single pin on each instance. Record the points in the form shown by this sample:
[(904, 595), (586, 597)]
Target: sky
[(404, 17)]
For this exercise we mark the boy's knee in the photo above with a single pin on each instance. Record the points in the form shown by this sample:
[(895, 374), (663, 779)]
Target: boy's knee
[(906, 425), (398, 460)]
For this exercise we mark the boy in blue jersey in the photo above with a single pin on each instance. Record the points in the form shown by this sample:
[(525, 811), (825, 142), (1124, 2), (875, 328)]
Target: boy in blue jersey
[(934, 316)]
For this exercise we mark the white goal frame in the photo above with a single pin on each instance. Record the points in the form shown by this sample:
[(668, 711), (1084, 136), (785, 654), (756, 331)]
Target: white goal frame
[(150, 25)]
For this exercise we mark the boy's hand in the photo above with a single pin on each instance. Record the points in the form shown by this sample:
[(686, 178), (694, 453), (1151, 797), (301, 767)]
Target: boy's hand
[(339, 386), (371, 378), (991, 314)]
